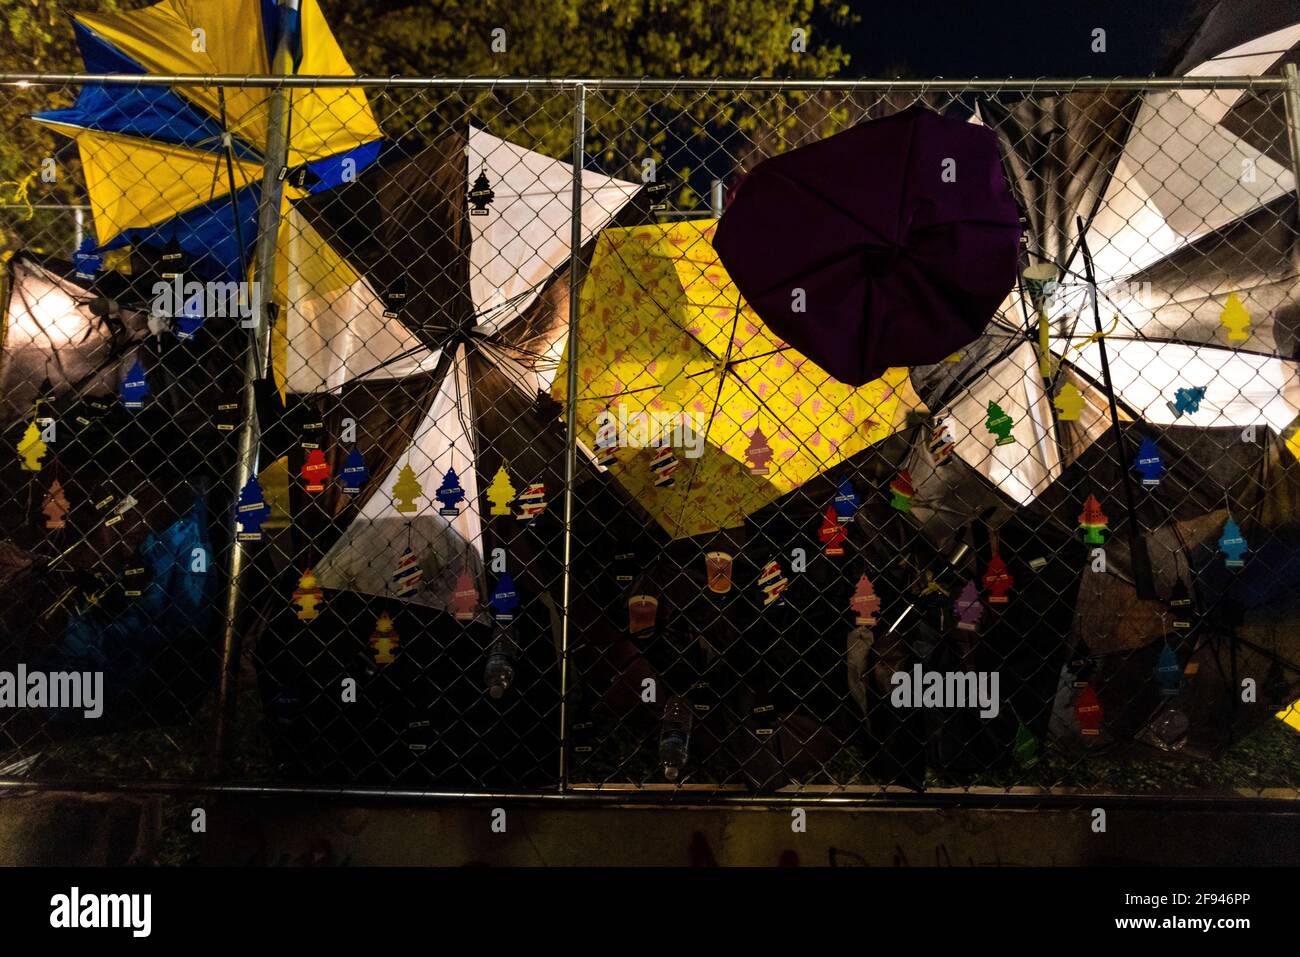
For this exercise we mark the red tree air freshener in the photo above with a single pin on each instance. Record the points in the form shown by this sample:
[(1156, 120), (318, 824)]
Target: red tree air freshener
[(1087, 712), (865, 602), (55, 507), (832, 533), (997, 581), (1093, 522), (315, 471)]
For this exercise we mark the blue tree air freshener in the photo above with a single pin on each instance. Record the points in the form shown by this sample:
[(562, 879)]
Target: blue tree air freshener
[(135, 389), (253, 511), (846, 502), (1168, 672), (504, 598), (355, 473), (87, 265), (1187, 401), (450, 494), (1148, 464), (189, 319), (1233, 545)]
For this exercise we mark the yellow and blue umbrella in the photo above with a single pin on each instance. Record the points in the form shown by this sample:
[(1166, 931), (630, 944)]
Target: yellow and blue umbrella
[(182, 166)]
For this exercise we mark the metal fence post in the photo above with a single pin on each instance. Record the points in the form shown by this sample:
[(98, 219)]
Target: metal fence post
[(717, 198), (1292, 102), (274, 166), (571, 413)]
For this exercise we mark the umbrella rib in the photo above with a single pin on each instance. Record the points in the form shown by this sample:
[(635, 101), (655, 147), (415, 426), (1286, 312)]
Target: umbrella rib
[(761, 355), (505, 364), (1174, 341), (717, 399), (534, 289), (405, 354), (615, 395), (542, 360), (455, 381)]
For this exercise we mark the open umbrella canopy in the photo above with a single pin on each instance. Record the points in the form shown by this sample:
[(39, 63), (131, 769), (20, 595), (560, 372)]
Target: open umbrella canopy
[(490, 328), (672, 355), (890, 244), (239, 38), (1188, 207), (184, 167)]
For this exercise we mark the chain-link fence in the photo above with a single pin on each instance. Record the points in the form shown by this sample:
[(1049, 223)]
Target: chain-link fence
[(461, 465)]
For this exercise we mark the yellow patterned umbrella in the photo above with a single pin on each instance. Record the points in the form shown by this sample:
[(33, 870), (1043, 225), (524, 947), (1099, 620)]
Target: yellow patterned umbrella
[(670, 352)]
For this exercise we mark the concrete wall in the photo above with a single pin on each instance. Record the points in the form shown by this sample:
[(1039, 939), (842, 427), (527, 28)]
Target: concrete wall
[(78, 830), (288, 832), (95, 830)]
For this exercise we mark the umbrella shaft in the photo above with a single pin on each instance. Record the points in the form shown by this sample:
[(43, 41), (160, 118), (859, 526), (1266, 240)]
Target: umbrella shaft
[(1142, 577), (1044, 347)]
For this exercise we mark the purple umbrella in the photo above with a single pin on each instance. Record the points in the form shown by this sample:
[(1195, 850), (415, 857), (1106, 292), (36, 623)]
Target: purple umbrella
[(890, 244)]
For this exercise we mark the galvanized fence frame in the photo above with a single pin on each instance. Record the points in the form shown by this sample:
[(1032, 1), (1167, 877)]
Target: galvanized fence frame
[(579, 90)]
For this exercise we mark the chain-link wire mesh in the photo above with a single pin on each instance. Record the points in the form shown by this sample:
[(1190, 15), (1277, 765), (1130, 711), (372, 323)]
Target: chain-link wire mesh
[(541, 503)]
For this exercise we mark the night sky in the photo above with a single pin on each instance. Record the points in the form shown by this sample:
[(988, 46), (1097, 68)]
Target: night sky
[(998, 38)]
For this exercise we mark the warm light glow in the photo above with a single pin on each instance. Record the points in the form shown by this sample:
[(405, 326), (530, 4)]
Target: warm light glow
[(1242, 388), (51, 317)]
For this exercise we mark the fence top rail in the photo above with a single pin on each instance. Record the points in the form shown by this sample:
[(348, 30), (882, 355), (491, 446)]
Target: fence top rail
[(1039, 85)]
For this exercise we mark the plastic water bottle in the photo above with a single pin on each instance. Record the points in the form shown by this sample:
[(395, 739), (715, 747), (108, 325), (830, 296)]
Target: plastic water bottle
[(499, 674), (674, 737)]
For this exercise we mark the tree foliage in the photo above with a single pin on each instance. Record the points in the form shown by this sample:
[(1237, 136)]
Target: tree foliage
[(691, 135), (36, 37)]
